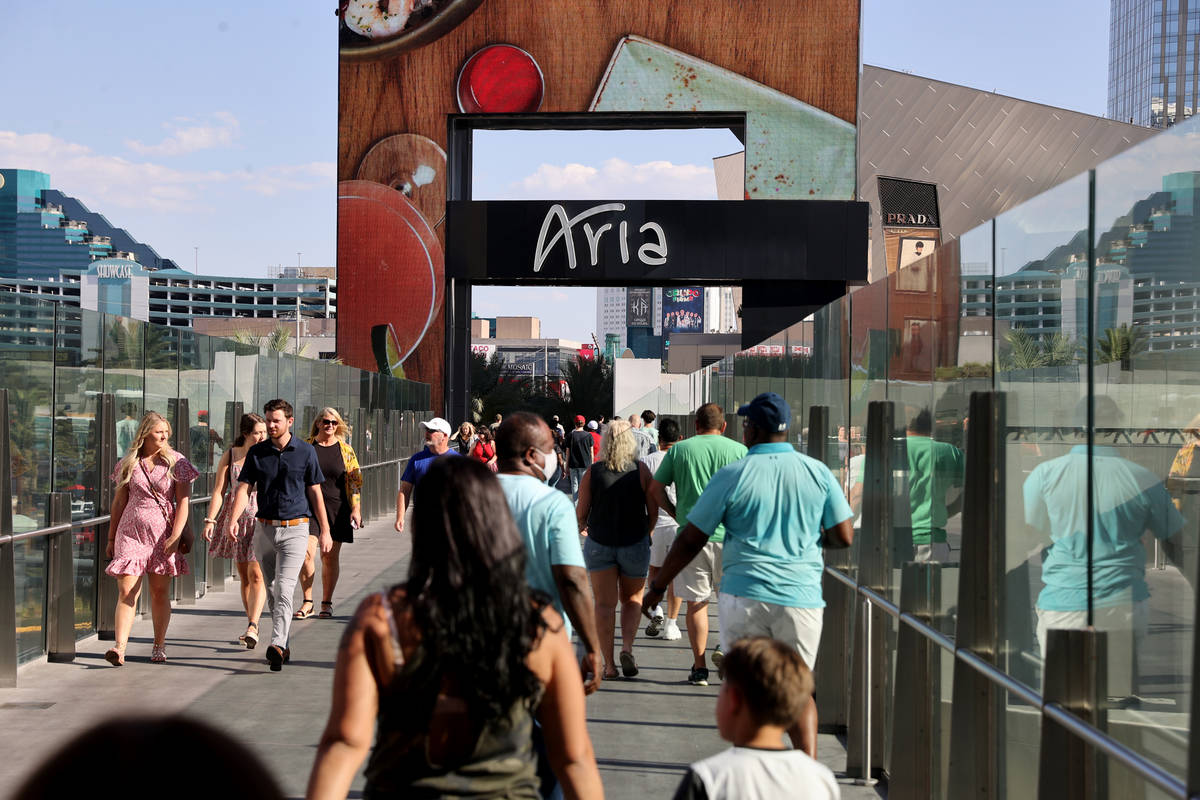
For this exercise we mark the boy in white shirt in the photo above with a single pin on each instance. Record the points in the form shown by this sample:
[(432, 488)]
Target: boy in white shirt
[(765, 688)]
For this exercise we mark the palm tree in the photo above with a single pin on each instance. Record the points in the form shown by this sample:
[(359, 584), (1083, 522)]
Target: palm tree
[(590, 387), (277, 341), (1121, 344), (1025, 352)]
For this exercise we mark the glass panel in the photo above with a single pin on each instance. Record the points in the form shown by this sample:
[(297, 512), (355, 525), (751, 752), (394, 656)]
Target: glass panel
[(1040, 326), (1146, 479), (162, 376), (124, 375), (78, 383)]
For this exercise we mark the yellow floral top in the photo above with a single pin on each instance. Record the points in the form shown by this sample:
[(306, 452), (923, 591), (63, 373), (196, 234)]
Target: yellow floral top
[(353, 475)]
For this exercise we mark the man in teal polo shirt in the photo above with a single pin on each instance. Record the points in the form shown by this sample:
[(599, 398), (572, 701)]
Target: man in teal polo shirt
[(1128, 500), (779, 509)]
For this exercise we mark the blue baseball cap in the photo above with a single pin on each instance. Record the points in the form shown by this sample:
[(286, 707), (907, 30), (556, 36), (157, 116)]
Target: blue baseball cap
[(768, 411)]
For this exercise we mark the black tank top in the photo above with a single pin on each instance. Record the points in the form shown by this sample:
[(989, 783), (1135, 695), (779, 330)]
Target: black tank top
[(618, 515)]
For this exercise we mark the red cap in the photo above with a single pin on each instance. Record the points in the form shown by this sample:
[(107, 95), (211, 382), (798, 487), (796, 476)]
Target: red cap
[(579, 418)]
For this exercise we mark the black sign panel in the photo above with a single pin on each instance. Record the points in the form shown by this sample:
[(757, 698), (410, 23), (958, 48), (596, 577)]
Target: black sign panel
[(908, 204), (640, 304), (655, 242)]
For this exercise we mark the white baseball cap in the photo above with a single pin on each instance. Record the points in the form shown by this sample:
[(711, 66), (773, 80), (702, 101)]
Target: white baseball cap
[(437, 424)]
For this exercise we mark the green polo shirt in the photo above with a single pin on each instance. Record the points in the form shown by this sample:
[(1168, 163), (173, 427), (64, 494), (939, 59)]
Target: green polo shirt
[(933, 469), (689, 465)]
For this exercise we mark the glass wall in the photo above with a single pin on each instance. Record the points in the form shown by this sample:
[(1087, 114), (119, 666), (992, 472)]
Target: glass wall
[(56, 361), (1082, 305)]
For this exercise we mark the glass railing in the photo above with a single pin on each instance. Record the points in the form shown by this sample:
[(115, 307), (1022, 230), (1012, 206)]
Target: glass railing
[(1081, 307), (59, 362)]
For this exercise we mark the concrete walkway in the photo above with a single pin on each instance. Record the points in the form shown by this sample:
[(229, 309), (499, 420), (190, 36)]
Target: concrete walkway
[(645, 731)]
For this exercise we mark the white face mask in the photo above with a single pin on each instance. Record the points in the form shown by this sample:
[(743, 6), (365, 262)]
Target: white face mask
[(549, 467)]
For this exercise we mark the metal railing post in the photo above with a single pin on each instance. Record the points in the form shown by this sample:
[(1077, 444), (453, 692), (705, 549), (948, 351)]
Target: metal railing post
[(870, 665), (917, 716), (977, 717), (106, 460), (8, 572), (60, 582), (831, 672), (1075, 679)]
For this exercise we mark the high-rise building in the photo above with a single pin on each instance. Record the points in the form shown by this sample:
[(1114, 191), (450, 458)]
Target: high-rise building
[(1153, 61)]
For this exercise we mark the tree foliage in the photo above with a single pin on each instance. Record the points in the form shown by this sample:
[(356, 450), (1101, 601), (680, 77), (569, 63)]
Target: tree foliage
[(585, 387), (1121, 344), (1023, 351)]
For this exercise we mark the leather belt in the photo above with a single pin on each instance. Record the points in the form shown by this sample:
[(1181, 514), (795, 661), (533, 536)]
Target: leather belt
[(283, 523)]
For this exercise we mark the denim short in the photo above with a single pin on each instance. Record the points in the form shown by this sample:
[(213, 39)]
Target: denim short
[(631, 560)]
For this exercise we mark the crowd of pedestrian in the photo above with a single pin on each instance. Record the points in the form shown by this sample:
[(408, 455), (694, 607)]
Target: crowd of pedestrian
[(461, 678)]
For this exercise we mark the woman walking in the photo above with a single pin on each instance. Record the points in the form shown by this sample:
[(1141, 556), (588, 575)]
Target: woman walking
[(342, 493), (484, 450), (148, 531), (448, 671), (617, 513), (252, 429), (463, 439)]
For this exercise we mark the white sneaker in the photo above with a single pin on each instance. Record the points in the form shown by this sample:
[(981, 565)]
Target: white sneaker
[(656, 622), (671, 631)]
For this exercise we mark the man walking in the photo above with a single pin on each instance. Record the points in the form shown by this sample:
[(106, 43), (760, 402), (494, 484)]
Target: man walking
[(689, 465), (645, 443), (554, 561), (779, 509), (662, 537), (437, 443), (285, 473), (579, 454)]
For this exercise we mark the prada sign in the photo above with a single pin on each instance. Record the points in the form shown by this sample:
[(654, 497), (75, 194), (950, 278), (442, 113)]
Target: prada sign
[(655, 242), (908, 204)]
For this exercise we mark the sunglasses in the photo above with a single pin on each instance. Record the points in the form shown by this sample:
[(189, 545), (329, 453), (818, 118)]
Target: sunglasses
[(329, 422)]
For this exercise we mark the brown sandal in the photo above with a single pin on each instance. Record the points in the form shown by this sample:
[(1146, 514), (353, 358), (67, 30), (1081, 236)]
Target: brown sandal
[(301, 613), (116, 654)]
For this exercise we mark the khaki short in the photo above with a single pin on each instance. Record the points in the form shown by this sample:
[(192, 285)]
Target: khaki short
[(796, 627), (661, 539), (699, 580)]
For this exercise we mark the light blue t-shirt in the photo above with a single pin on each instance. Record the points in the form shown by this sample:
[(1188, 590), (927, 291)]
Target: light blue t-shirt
[(1129, 500), (774, 504), (546, 519)]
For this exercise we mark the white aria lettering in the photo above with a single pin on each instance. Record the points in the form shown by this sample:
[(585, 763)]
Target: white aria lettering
[(651, 253)]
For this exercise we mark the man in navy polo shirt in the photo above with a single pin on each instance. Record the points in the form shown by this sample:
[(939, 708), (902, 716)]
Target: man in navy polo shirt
[(285, 473), (779, 508), (437, 443)]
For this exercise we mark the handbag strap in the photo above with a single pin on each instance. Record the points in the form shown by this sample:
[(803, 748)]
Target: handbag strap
[(158, 501)]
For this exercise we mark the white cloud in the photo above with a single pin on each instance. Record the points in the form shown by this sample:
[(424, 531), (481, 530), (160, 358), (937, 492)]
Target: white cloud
[(106, 182), (616, 178), (188, 135)]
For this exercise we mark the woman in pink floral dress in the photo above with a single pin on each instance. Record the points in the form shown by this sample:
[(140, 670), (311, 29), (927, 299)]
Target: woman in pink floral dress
[(251, 430), (148, 534)]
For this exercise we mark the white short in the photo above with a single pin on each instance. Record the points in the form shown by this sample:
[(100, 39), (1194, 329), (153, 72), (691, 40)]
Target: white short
[(661, 539), (1126, 626), (698, 581), (935, 551), (797, 627)]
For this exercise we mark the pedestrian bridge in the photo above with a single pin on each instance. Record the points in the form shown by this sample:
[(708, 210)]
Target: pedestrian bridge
[(645, 730)]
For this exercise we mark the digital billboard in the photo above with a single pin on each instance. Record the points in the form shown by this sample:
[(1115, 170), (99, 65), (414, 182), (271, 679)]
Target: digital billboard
[(400, 78), (683, 310)]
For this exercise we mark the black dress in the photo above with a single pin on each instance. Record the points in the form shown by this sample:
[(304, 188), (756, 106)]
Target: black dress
[(333, 490)]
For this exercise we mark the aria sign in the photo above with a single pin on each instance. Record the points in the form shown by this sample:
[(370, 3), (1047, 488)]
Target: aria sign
[(655, 242), (650, 253)]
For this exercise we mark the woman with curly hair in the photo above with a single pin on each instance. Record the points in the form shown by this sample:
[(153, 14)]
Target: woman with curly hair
[(148, 532), (617, 512), (450, 669)]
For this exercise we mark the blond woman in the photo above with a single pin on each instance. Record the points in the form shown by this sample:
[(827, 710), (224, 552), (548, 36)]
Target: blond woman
[(342, 490), (148, 534)]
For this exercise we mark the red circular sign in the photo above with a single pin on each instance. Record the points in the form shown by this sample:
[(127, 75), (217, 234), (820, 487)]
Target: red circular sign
[(500, 79)]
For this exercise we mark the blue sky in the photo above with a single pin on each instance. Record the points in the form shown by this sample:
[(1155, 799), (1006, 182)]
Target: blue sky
[(214, 125)]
